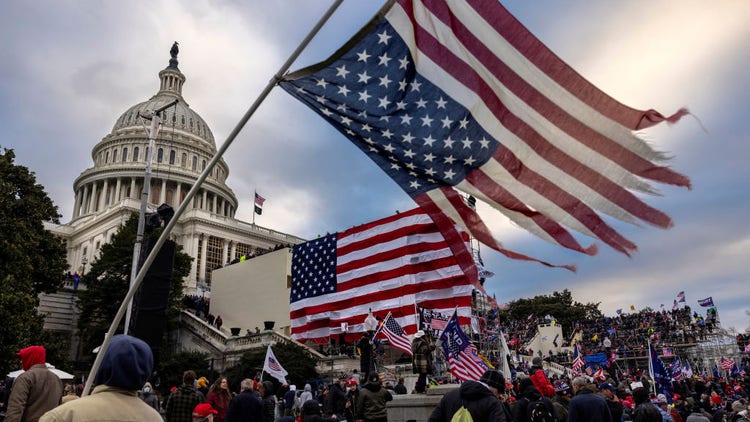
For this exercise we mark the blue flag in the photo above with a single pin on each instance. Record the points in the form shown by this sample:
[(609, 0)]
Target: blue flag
[(709, 301), (662, 377)]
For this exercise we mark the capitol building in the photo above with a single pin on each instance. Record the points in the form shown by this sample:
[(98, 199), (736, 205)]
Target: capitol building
[(107, 193)]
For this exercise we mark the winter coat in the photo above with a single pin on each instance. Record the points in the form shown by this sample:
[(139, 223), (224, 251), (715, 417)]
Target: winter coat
[(220, 402), (35, 391), (422, 360), (371, 402), (125, 367), (306, 395), (587, 406), (245, 407), (104, 404), (269, 402), (477, 398)]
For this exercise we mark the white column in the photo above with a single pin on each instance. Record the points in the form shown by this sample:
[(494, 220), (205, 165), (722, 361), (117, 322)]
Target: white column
[(193, 250), (204, 251), (77, 206), (204, 204), (225, 252), (178, 194), (214, 205), (163, 193), (233, 251), (118, 187), (132, 188), (85, 200), (92, 203), (105, 190)]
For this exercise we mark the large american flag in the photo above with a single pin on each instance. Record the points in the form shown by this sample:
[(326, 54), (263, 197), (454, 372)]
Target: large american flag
[(463, 358), (388, 265), (395, 334), (459, 95)]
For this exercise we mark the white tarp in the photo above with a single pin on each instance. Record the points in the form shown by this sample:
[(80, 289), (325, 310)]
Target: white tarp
[(60, 374)]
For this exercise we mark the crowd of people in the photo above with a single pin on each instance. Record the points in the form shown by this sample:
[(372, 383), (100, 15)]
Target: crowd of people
[(628, 333), (534, 395), (258, 252)]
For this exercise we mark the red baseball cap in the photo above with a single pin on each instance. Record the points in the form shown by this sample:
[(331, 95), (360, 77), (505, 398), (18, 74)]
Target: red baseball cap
[(202, 410)]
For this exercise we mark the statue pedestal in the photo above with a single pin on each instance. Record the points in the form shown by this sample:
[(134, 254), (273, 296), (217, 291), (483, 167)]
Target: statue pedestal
[(416, 407)]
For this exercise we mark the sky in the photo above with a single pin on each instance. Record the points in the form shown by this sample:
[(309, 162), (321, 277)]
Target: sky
[(69, 69)]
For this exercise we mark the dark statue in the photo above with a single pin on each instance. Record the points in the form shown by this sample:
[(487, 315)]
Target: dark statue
[(173, 52)]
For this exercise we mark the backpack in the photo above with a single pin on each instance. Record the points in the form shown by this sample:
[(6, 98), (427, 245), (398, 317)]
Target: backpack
[(539, 411), (462, 415)]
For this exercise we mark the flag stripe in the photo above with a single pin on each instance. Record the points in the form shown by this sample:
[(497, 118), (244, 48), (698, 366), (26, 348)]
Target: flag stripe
[(553, 67), (444, 202), (515, 209), (563, 160), (395, 334), (523, 101), (588, 183), (535, 89), (387, 265)]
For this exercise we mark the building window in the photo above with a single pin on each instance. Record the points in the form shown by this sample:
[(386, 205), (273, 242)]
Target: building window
[(242, 249), (106, 157), (195, 163), (191, 123), (114, 156), (204, 165), (214, 252), (171, 157), (136, 152), (184, 160), (183, 120), (125, 154), (160, 155)]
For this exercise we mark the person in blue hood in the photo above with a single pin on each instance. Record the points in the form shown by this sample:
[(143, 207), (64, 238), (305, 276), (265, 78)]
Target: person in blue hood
[(126, 366)]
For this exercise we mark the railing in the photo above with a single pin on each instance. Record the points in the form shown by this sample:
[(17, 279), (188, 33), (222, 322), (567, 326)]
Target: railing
[(215, 337)]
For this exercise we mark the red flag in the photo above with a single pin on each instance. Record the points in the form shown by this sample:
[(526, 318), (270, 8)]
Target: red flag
[(386, 265), (459, 95), (395, 335)]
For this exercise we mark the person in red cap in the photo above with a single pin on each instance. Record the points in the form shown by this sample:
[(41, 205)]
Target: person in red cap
[(204, 412), (36, 390)]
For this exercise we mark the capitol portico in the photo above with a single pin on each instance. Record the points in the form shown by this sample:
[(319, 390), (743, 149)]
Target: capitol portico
[(107, 193)]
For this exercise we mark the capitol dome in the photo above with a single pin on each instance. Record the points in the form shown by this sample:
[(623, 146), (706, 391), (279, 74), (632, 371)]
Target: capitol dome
[(108, 192), (180, 117), (183, 147)]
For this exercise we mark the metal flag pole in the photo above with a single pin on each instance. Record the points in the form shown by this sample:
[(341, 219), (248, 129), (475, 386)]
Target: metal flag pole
[(155, 123), (168, 229)]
